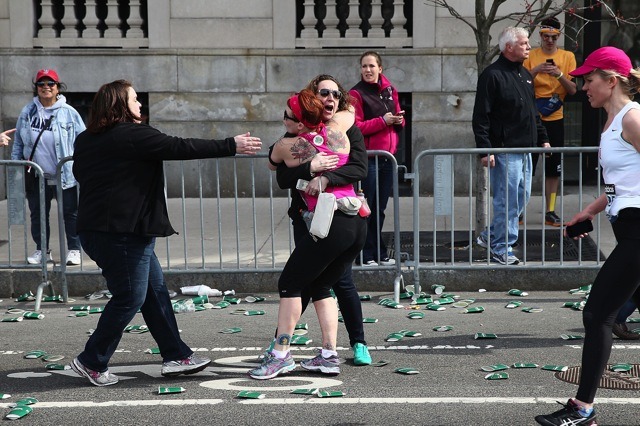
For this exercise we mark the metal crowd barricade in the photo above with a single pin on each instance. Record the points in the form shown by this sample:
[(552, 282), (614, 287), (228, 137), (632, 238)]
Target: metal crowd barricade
[(229, 229), (15, 171), (453, 204)]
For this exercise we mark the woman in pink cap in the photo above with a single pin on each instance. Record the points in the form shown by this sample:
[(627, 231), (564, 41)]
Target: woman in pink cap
[(610, 82), (54, 124)]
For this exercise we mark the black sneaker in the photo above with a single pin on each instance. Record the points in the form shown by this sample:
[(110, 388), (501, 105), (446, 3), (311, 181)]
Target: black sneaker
[(569, 415), (552, 219)]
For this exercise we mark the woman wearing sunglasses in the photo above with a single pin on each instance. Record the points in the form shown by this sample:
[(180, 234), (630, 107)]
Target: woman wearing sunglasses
[(49, 120), (379, 117), (334, 98), (315, 264)]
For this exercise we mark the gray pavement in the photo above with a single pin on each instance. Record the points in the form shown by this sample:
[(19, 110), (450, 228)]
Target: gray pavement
[(450, 388)]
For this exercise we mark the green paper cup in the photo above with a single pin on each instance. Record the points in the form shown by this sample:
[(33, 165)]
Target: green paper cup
[(513, 304), (406, 370), (57, 298), (532, 310), (305, 391), (250, 395), (300, 340), (253, 313), (415, 315), (80, 308), (443, 328), (473, 310), (502, 375), (485, 336), (406, 295), (369, 320), (35, 354), (437, 288), (4, 396), (620, 368), (231, 330), (365, 297), (329, 394), (570, 337), (18, 412), (254, 299), (516, 292), (168, 390), (435, 307), (54, 366), (495, 367), (221, 304), (52, 358), (394, 337), (555, 367), (524, 365), (12, 319), (422, 301), (32, 315)]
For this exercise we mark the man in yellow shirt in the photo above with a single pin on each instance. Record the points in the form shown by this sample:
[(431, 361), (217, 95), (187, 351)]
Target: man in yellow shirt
[(550, 67)]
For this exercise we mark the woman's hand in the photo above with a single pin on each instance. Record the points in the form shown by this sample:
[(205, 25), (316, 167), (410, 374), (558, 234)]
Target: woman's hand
[(317, 185), (247, 144), (322, 162), (579, 217), (5, 138)]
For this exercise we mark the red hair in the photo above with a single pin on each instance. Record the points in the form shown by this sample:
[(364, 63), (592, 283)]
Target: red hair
[(307, 108)]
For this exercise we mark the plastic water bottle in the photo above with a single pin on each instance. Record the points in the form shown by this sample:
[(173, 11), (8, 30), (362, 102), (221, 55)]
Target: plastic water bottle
[(364, 211)]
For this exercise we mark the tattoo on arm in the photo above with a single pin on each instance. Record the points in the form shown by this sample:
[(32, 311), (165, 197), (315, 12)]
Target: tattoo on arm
[(302, 150), (283, 339), (336, 140)]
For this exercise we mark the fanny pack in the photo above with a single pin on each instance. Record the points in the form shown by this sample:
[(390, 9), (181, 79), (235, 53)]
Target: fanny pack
[(547, 106)]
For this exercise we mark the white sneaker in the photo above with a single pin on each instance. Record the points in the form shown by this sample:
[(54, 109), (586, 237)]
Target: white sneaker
[(370, 263), (387, 262), (73, 257), (36, 257)]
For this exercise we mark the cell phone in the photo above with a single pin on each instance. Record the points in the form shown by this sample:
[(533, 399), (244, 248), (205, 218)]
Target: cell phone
[(579, 228), (401, 113), (301, 185), (550, 61)]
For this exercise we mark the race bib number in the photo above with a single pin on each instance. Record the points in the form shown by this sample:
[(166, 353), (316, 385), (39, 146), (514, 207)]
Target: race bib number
[(610, 192)]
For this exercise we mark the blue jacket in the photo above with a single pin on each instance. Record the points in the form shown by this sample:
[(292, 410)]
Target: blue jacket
[(66, 125)]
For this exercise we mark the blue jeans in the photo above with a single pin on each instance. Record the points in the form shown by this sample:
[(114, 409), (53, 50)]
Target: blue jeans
[(377, 188), (134, 278), (511, 186), (69, 210), (625, 312)]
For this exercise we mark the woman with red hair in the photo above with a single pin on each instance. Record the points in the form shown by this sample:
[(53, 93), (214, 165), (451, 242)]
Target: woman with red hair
[(316, 263)]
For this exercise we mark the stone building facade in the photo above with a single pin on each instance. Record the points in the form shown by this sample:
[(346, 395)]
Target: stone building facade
[(219, 68)]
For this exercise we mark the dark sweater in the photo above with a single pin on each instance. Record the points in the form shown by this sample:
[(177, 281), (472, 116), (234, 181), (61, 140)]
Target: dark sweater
[(122, 180)]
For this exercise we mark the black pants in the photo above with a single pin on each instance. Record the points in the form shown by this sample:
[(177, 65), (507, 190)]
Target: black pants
[(344, 289), (617, 281)]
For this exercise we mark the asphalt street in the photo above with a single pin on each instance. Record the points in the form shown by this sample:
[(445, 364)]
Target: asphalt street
[(449, 389)]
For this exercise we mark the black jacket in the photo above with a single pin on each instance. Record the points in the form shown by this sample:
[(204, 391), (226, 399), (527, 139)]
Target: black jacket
[(353, 171), (505, 114), (122, 180)]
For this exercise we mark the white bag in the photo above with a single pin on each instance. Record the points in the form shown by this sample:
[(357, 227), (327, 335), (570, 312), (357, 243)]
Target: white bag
[(323, 215)]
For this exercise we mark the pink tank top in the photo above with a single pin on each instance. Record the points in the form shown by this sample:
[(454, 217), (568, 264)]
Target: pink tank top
[(318, 141)]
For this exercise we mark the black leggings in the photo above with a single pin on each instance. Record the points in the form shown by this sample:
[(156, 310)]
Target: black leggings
[(344, 289), (617, 281), (317, 265)]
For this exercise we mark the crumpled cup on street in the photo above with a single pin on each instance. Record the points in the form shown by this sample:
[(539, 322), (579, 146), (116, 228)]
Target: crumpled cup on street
[(200, 290)]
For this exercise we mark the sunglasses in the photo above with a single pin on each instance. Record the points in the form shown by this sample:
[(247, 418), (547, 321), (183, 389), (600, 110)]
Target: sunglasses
[(286, 117), (326, 92), (46, 83)]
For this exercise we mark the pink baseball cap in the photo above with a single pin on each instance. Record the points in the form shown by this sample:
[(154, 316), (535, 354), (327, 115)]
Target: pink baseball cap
[(605, 58), (49, 74)]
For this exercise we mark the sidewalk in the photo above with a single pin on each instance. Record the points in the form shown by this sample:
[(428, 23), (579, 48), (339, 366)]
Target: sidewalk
[(251, 256)]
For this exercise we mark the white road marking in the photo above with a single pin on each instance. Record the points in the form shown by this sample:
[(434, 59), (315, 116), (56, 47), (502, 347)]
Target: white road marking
[(315, 400), (310, 382)]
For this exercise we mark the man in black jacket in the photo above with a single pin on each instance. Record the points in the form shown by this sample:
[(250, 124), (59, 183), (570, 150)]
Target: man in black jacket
[(352, 172), (505, 116)]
